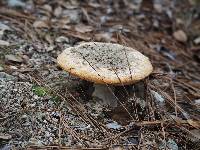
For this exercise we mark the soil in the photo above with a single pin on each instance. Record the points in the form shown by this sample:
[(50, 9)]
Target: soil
[(44, 107)]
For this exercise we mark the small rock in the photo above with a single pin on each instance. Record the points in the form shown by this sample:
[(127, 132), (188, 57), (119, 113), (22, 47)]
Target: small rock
[(171, 144), (26, 58), (179, 21), (197, 40), (5, 136), (6, 147), (47, 8), (6, 77), (61, 39), (13, 58), (158, 97), (156, 23), (158, 7), (74, 15), (4, 43), (13, 67), (180, 36), (34, 141), (113, 125), (16, 3), (58, 11), (1, 68), (197, 101), (50, 139), (4, 27), (23, 116)]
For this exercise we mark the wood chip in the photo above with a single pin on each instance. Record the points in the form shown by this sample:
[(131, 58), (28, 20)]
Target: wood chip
[(40, 24)]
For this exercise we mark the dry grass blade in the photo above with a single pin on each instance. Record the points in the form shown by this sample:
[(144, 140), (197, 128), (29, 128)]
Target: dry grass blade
[(12, 13)]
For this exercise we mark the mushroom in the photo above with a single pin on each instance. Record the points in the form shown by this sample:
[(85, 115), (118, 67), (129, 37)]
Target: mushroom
[(105, 64)]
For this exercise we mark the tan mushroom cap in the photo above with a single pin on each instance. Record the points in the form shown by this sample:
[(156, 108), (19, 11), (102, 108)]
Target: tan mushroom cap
[(105, 63)]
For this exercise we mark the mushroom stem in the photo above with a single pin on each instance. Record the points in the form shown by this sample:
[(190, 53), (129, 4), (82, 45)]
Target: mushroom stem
[(106, 94)]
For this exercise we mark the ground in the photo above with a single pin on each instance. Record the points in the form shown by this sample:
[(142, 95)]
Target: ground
[(44, 107)]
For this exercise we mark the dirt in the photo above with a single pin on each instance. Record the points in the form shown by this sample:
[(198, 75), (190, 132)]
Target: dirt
[(44, 107)]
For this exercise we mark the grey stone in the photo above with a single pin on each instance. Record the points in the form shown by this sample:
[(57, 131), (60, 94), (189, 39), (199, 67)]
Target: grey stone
[(13, 58), (6, 77), (1, 68)]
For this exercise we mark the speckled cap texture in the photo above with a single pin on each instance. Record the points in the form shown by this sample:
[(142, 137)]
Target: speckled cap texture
[(105, 63)]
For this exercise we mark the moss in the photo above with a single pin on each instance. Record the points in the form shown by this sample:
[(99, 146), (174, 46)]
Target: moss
[(39, 91), (56, 100), (43, 91)]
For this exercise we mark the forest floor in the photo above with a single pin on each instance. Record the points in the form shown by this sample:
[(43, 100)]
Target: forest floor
[(44, 107)]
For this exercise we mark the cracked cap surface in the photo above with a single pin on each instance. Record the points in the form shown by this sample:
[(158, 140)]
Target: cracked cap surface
[(105, 63)]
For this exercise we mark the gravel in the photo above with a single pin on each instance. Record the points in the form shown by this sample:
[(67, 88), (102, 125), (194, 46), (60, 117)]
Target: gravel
[(29, 118)]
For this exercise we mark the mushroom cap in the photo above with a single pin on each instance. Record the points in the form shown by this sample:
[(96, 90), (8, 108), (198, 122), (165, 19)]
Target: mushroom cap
[(105, 63)]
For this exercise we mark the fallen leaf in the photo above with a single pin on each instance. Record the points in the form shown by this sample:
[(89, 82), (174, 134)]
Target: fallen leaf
[(83, 28), (40, 24), (193, 123), (62, 23), (107, 37), (77, 35)]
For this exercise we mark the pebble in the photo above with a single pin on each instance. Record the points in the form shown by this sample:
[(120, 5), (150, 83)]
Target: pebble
[(5, 136), (6, 77), (13, 67), (197, 40), (113, 125), (13, 58), (16, 3), (26, 58), (180, 36), (4, 27), (4, 43), (51, 139), (1, 68), (158, 7), (61, 39), (23, 116), (74, 15), (58, 11)]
